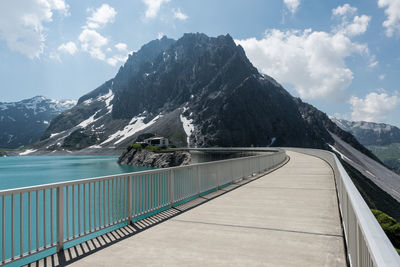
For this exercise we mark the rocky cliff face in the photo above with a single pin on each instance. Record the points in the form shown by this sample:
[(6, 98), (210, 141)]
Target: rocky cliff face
[(143, 157), (198, 91), (24, 122)]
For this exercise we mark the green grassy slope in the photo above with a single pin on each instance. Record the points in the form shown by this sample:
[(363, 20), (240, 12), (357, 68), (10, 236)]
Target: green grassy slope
[(390, 226)]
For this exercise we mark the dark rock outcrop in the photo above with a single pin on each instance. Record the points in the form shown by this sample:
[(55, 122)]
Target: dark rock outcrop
[(143, 157)]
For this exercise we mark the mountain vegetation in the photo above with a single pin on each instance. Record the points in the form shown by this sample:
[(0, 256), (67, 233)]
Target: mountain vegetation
[(391, 227)]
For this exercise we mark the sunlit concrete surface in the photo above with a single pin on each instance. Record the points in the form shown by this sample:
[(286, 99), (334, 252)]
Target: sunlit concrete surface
[(289, 217)]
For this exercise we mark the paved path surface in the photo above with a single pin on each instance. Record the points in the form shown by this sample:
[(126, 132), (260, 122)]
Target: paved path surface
[(286, 218)]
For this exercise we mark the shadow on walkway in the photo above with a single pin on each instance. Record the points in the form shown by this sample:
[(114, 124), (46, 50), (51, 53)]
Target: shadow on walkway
[(91, 246)]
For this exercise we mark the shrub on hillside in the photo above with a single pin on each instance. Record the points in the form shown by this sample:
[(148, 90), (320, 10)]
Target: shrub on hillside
[(390, 226)]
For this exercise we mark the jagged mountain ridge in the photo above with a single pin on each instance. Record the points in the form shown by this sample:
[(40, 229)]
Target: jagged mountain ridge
[(370, 133), (25, 121), (381, 138), (198, 90)]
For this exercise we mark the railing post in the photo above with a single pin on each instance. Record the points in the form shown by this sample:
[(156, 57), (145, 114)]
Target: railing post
[(60, 219), (171, 188), (198, 180), (217, 176), (242, 167), (130, 199), (232, 178), (358, 250)]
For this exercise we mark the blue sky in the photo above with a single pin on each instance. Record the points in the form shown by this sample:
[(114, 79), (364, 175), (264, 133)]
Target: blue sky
[(343, 57)]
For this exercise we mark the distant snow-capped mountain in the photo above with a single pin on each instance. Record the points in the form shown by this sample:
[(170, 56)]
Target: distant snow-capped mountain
[(370, 133), (22, 123)]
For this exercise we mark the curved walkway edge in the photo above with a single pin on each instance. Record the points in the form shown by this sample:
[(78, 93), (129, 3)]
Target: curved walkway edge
[(288, 217)]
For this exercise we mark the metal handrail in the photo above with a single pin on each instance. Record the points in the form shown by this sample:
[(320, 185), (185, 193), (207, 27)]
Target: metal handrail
[(367, 244), (40, 217)]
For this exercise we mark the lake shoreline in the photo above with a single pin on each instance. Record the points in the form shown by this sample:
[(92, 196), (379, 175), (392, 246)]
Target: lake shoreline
[(16, 172), (83, 152)]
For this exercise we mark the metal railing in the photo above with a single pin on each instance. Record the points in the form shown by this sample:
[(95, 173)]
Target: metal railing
[(37, 218), (367, 244)]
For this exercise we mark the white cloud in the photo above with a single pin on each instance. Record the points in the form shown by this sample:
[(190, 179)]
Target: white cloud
[(373, 64), (59, 5), (358, 26), (382, 77), (292, 5), (22, 24), (101, 16), (351, 25), (92, 42), (160, 35), (344, 10), (374, 107), (179, 15), (69, 48), (54, 56), (96, 44), (153, 6), (121, 57), (392, 11), (314, 62), (121, 46), (114, 60)]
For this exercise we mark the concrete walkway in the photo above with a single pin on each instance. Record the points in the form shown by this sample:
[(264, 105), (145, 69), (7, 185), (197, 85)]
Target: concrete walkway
[(286, 218)]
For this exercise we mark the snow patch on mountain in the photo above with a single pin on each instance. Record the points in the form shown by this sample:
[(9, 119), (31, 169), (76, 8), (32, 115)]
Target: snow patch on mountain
[(188, 125), (107, 99), (39, 104), (135, 125), (88, 121), (87, 102), (95, 146), (55, 134), (27, 152), (337, 151)]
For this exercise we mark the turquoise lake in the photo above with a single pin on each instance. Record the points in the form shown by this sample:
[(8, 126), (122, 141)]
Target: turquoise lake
[(24, 171), (16, 172)]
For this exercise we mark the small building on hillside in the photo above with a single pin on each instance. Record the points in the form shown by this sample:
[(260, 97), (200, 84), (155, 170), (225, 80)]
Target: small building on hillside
[(157, 141)]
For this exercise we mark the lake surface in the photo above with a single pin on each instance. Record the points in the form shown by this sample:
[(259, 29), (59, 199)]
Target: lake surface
[(34, 170), (25, 171)]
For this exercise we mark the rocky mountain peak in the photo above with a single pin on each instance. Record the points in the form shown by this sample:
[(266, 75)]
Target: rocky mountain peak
[(197, 91), (179, 72)]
